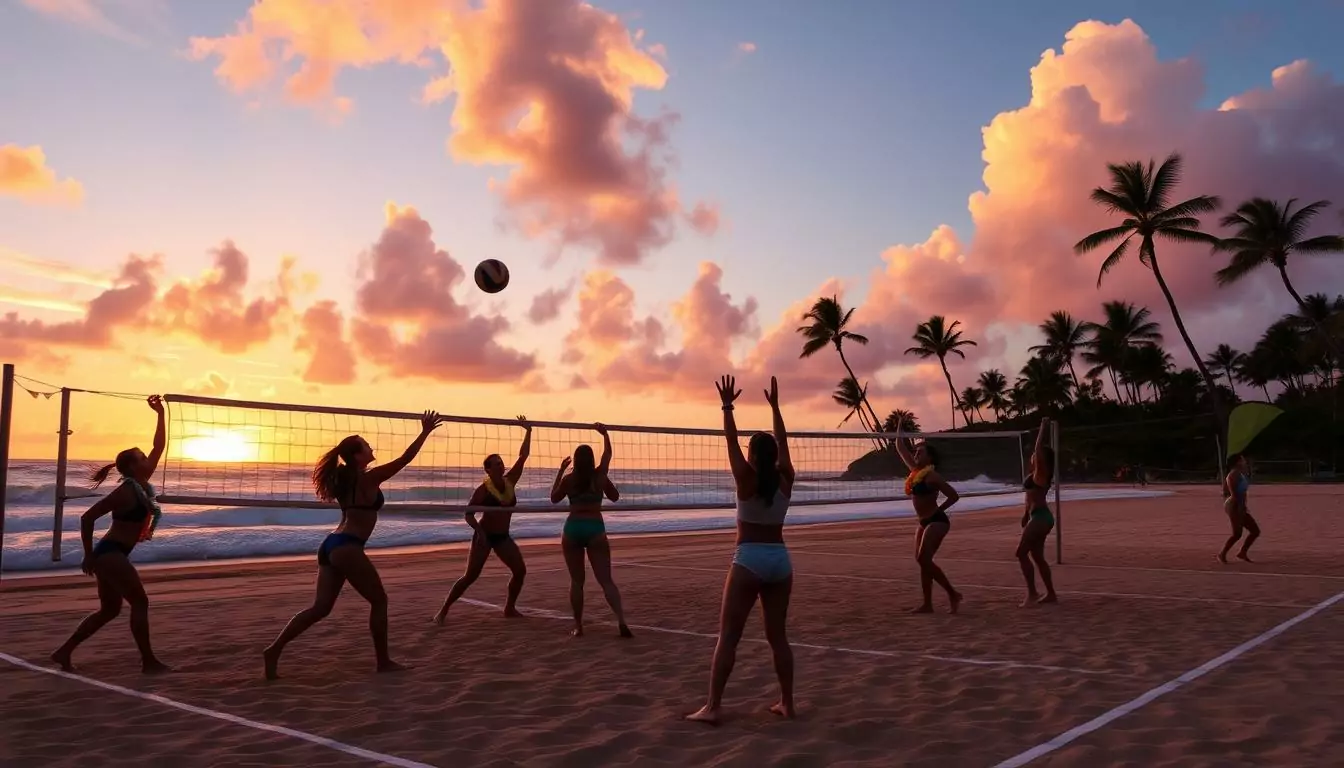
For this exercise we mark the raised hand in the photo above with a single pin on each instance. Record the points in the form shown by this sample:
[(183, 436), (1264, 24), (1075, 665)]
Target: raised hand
[(429, 421), (155, 403), (522, 422), (600, 428), (564, 463), (728, 391), (772, 394)]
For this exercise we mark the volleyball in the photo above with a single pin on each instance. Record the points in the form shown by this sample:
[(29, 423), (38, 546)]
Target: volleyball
[(492, 276)]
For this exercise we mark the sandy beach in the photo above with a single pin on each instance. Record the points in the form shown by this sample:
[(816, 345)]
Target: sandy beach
[(1209, 664)]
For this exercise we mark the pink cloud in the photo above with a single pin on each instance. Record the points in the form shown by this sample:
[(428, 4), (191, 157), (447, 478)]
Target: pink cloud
[(322, 335), (546, 88), (747, 48), (215, 309), (24, 174), (407, 319), (126, 304), (705, 218), (547, 304)]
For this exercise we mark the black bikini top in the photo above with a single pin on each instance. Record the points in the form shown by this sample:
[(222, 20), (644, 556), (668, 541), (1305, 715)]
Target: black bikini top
[(374, 507), (1029, 484)]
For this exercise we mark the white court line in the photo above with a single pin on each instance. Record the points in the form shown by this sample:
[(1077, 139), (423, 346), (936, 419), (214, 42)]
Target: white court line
[(321, 741), (996, 587), (548, 614), (1073, 734), (1071, 566)]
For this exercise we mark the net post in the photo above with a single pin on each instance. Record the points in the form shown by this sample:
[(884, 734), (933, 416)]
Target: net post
[(1059, 509), (58, 503), (6, 412), (1218, 446)]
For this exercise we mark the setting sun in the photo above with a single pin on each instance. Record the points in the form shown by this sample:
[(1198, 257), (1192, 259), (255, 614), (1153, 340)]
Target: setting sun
[(222, 446)]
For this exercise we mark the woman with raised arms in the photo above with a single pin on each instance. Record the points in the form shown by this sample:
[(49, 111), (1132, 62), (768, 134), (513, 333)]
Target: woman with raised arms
[(343, 475)]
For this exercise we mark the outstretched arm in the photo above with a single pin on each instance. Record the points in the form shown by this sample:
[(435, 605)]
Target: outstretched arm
[(728, 392), (609, 488), (160, 440), (903, 450), (605, 463), (558, 487), (781, 438), (384, 472), (1042, 474), (516, 471)]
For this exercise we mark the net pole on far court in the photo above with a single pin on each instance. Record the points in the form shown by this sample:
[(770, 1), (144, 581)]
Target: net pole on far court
[(58, 504), (1059, 509), (6, 411)]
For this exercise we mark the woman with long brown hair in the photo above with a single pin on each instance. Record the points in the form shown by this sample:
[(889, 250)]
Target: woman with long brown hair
[(923, 485), (761, 565), (1037, 520), (585, 533), (343, 475), (135, 514)]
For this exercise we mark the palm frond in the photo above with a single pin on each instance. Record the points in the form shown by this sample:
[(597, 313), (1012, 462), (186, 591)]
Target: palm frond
[(1297, 223), (813, 346), (1113, 259), (857, 338), (1192, 207), (1322, 244), (1098, 239), (1242, 264), (921, 352), (1112, 202), (1189, 236), (1163, 182)]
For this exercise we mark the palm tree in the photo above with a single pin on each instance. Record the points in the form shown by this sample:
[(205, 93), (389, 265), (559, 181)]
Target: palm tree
[(849, 394), (901, 420), (1064, 337), (1224, 360), (1148, 365), (995, 387), (1256, 369), (1142, 195), (1124, 326), (1266, 233), (1042, 384), (828, 327), (936, 338), (971, 399)]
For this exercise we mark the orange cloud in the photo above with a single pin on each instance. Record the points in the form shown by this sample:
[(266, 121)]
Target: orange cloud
[(212, 384), (50, 269), (546, 88), (408, 321), (322, 335), (215, 310), (547, 304), (705, 218), (124, 305), (24, 174)]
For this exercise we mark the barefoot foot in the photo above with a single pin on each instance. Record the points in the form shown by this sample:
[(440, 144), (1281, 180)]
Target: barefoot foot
[(576, 632), (1244, 556), (955, 599), (440, 617), (706, 714), (784, 710), (271, 656), (155, 667), (391, 666), (926, 608), (1222, 557), (1031, 599), (1050, 597), (511, 613), (625, 631), (62, 659)]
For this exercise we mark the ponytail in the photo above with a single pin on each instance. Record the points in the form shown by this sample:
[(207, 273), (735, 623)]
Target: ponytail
[(101, 474), (125, 464), (763, 454), (334, 475)]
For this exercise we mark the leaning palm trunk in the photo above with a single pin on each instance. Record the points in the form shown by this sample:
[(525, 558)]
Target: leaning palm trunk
[(1220, 414)]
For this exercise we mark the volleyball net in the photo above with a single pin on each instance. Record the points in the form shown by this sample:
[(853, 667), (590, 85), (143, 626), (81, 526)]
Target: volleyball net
[(237, 453)]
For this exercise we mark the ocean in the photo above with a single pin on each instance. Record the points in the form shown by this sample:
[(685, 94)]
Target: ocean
[(220, 532)]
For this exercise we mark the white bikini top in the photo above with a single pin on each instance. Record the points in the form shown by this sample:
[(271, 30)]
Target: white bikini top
[(755, 511)]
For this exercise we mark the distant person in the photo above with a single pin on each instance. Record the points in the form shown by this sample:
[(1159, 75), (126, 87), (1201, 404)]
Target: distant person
[(584, 531), (343, 475), (761, 565), (923, 485), (1037, 520), (1235, 488), (135, 515), (491, 533)]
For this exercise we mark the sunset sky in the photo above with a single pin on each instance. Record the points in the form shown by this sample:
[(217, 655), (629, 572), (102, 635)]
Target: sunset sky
[(284, 200)]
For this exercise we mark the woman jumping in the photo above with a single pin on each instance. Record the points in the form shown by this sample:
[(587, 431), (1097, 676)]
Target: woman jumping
[(1037, 521), (584, 530), (135, 514), (1235, 487), (761, 565), (491, 533), (343, 475), (923, 485)]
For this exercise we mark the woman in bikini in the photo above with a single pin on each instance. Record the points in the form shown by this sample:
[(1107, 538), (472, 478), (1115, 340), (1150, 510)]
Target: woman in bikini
[(343, 475), (761, 566), (135, 514), (1235, 487), (923, 486), (1037, 521), (491, 533), (584, 531)]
